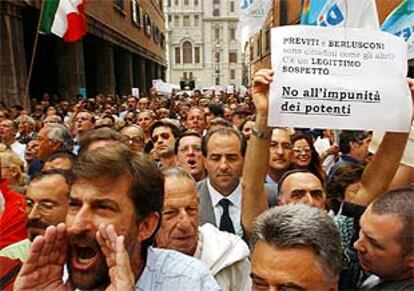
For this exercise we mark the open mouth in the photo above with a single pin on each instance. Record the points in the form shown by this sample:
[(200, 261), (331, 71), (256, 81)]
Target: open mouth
[(84, 257), (191, 162)]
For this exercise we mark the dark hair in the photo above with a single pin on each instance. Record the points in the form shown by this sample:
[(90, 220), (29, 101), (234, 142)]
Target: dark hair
[(184, 134), (244, 123), (292, 172), (224, 131), (315, 164), (216, 109), (344, 176), (400, 203), (346, 136), (104, 133), (165, 123), (117, 160), (67, 175), (220, 121), (64, 154)]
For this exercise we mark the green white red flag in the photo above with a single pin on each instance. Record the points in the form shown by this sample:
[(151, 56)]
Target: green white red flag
[(64, 18)]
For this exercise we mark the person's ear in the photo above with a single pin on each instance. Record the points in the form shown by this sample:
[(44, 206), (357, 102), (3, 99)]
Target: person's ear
[(147, 226)]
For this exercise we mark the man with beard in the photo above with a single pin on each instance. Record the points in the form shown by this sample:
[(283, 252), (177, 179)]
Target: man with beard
[(115, 192), (46, 204), (189, 156)]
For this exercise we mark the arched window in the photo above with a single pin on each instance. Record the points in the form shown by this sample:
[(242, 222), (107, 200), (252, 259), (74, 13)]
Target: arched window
[(187, 52)]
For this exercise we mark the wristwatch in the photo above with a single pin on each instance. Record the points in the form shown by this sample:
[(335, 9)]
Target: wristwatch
[(261, 134)]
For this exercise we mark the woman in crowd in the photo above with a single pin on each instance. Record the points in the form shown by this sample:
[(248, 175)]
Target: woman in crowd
[(305, 156)]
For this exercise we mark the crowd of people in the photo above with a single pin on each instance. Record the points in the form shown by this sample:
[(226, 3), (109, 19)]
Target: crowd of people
[(193, 191)]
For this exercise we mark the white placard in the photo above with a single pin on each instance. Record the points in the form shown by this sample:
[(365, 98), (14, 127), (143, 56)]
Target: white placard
[(135, 92), (230, 89), (339, 78)]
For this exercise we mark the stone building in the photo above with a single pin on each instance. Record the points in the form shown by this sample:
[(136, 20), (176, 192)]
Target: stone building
[(288, 12), (202, 48), (123, 48)]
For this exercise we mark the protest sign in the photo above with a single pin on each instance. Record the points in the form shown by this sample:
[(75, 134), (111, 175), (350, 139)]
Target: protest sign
[(339, 78), (135, 92)]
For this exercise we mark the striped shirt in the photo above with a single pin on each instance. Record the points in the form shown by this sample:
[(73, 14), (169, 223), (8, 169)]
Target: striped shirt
[(171, 270)]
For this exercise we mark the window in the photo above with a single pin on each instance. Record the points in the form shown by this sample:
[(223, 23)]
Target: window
[(216, 12), (190, 75), (185, 2), (196, 20), (217, 57), (169, 18), (216, 2), (231, 6), (216, 33), (196, 2), (169, 3), (267, 39), (185, 75), (119, 4), (186, 20), (177, 55), (187, 52), (147, 25), (176, 20), (259, 44), (176, 2), (197, 55), (233, 57), (232, 33), (217, 80), (136, 13), (232, 74)]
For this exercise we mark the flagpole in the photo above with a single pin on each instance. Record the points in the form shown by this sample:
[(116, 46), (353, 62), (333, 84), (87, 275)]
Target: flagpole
[(29, 76)]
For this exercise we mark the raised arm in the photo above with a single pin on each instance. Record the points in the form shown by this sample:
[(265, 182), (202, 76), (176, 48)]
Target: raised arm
[(378, 174), (254, 198)]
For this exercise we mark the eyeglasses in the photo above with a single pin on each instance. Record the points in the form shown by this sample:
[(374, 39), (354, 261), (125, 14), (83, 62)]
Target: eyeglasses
[(44, 207), (163, 135), (306, 150)]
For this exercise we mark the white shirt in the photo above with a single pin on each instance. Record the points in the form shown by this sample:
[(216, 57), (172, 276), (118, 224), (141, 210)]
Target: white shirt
[(234, 207), (19, 149)]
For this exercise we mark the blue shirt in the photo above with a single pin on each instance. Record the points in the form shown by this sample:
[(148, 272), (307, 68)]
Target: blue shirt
[(171, 270)]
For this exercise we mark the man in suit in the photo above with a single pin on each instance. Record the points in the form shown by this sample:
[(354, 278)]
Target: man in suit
[(220, 192)]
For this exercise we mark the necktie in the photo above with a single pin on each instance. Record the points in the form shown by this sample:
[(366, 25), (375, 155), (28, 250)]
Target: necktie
[(225, 222)]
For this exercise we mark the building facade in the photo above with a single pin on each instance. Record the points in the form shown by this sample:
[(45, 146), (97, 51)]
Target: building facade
[(202, 48), (288, 12), (123, 48)]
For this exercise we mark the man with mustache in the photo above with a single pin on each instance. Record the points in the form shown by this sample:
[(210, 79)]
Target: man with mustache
[(46, 204), (114, 211)]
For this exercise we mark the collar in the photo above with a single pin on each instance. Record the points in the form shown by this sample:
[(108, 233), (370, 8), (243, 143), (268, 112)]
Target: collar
[(234, 197), (347, 158)]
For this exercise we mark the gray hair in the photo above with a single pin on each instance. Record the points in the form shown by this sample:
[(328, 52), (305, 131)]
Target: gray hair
[(301, 226), (59, 133), (178, 172)]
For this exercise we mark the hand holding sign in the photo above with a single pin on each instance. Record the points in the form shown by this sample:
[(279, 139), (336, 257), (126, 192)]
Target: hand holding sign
[(341, 78)]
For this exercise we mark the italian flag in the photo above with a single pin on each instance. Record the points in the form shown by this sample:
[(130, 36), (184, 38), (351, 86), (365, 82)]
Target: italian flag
[(64, 18)]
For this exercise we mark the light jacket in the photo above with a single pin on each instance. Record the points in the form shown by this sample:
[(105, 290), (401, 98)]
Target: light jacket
[(227, 257)]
